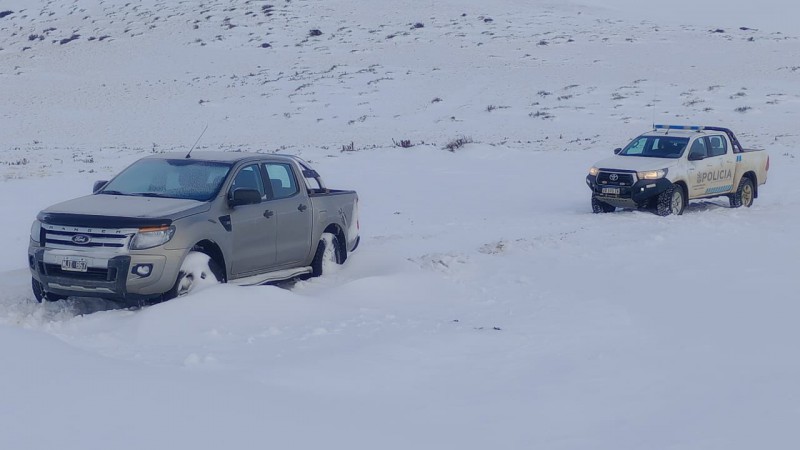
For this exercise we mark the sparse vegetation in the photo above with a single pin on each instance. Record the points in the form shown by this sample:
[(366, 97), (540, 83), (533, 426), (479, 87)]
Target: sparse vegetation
[(457, 143), (743, 109), (69, 39), (351, 147), (541, 115), (403, 143)]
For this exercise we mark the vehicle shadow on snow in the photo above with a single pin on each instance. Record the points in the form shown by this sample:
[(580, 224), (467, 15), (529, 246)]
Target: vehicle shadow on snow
[(78, 306), (691, 208)]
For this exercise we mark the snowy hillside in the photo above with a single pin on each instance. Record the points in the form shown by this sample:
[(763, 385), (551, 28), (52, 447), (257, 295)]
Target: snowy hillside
[(487, 307)]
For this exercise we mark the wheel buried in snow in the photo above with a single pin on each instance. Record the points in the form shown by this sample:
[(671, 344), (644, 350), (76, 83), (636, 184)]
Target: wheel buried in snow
[(744, 194), (671, 201), (40, 294), (329, 253), (601, 207), (198, 270)]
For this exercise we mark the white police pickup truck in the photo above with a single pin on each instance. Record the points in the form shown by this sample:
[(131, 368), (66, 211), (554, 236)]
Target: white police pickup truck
[(665, 168)]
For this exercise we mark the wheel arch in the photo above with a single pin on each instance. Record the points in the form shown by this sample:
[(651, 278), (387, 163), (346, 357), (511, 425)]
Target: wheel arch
[(337, 231), (213, 250), (754, 178), (685, 188)]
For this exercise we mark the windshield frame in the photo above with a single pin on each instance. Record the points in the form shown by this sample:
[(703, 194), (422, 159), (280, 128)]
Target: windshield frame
[(111, 189), (647, 151)]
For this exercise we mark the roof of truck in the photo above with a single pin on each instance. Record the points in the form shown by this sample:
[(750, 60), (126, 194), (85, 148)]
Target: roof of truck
[(687, 130), (220, 156)]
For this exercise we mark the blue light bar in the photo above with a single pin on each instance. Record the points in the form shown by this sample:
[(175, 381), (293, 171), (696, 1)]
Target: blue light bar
[(678, 127)]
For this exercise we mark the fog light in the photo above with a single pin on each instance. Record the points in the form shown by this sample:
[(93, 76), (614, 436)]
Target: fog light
[(143, 270)]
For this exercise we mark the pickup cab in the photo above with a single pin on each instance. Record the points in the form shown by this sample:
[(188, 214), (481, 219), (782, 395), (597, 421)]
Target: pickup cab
[(171, 222), (665, 168)]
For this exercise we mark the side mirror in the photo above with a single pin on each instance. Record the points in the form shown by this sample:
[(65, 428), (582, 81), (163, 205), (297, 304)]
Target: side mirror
[(244, 197), (696, 157), (99, 185), (617, 151)]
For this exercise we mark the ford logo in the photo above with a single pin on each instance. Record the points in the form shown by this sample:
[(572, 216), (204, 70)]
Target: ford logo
[(81, 239), (613, 177)]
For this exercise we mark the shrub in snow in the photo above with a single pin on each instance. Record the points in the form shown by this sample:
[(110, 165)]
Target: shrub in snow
[(458, 143)]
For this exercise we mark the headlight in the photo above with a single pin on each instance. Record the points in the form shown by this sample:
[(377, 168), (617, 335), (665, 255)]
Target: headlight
[(594, 171), (652, 174), (36, 231), (152, 237)]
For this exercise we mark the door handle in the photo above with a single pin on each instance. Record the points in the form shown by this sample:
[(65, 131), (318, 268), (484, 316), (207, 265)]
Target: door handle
[(302, 207), (268, 214)]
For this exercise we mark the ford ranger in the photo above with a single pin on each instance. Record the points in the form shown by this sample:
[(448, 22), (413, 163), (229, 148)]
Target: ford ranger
[(170, 222), (665, 168)]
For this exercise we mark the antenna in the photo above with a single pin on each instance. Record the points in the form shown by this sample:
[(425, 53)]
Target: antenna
[(189, 155), (655, 99)]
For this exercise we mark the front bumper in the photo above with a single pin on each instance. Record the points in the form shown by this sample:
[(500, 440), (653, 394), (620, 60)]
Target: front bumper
[(107, 276), (635, 196)]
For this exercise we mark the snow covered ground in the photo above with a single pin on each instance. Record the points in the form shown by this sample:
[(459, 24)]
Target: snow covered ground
[(486, 307)]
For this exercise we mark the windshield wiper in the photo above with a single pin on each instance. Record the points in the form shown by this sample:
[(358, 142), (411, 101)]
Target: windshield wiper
[(112, 192), (151, 194)]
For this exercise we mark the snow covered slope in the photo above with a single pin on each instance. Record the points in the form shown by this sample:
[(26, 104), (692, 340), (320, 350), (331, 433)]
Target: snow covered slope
[(486, 307)]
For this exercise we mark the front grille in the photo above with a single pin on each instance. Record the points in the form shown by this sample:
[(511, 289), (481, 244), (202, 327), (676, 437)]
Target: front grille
[(73, 238), (92, 273), (615, 178)]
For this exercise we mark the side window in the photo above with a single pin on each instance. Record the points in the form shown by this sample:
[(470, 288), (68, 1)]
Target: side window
[(636, 147), (718, 146), (699, 148), (249, 177), (282, 180)]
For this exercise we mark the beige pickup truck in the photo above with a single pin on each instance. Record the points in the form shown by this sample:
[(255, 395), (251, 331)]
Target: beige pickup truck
[(170, 222), (665, 168)]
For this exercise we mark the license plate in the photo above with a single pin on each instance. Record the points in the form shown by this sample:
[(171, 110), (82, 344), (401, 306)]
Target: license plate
[(74, 264), (612, 191)]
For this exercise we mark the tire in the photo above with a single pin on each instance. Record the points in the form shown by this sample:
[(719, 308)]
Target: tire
[(40, 294), (197, 270), (671, 201), (744, 195), (329, 251), (601, 207)]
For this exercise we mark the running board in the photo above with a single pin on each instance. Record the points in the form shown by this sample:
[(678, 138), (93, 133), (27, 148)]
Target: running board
[(279, 275)]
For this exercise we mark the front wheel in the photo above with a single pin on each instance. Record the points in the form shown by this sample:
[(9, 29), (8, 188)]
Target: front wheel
[(329, 253), (198, 271), (671, 201), (601, 207), (40, 294), (744, 194)]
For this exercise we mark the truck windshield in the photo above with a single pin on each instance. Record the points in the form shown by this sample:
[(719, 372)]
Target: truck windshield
[(169, 178), (656, 147)]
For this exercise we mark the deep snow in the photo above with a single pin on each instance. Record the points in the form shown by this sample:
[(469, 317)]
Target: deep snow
[(486, 307)]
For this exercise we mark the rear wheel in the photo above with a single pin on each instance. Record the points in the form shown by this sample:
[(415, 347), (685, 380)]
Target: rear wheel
[(744, 194), (198, 270), (601, 207), (329, 253), (40, 294), (671, 201)]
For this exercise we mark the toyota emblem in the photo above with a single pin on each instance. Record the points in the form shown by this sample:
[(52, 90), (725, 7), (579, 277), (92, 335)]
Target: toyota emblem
[(81, 239), (613, 177)]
